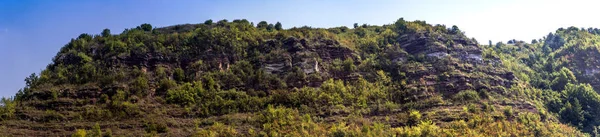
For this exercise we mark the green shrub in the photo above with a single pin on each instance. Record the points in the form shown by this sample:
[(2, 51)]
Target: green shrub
[(184, 95), (160, 72), (472, 108), (156, 127), (414, 117), (108, 133), (51, 115), (79, 133), (7, 108), (179, 75), (104, 98), (466, 96), (217, 130), (423, 129), (165, 85), (508, 112), (140, 85), (96, 132)]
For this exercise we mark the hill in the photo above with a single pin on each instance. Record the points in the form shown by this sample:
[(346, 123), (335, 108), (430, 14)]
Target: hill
[(408, 78)]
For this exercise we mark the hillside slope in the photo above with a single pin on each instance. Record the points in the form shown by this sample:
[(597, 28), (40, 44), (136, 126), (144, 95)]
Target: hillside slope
[(237, 79), (564, 65)]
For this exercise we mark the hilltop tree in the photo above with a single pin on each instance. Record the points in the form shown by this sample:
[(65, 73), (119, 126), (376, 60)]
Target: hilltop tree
[(355, 25), (455, 30), (208, 22), (222, 22), (510, 42), (278, 26), (270, 27), (106, 33), (400, 25), (262, 25), (146, 27)]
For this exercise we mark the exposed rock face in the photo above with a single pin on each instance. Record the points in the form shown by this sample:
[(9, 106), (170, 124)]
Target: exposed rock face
[(591, 71), (309, 55), (449, 66), (438, 54), (274, 68)]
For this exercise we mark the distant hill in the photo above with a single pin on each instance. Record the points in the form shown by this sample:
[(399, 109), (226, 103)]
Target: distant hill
[(408, 78)]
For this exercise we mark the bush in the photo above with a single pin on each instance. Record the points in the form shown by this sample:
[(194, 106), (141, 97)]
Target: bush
[(140, 85), (423, 129), (508, 112), (179, 75), (217, 130), (156, 127), (165, 85), (108, 133), (7, 108), (466, 96), (51, 115), (184, 95), (96, 132), (79, 133), (414, 117)]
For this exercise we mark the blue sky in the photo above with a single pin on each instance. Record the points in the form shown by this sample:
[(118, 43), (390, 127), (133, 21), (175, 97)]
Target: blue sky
[(32, 31)]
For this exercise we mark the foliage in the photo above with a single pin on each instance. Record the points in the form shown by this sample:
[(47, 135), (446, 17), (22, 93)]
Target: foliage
[(96, 132), (79, 133), (407, 78), (7, 108), (217, 130), (414, 117), (467, 96)]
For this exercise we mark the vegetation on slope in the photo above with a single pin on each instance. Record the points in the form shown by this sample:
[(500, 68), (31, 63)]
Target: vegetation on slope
[(236, 79)]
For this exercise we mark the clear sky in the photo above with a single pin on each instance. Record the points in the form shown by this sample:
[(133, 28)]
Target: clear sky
[(32, 31)]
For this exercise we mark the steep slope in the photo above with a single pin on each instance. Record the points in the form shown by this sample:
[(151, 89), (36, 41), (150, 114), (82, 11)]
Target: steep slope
[(235, 79), (563, 66)]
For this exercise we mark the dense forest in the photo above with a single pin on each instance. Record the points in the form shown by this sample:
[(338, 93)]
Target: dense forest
[(237, 78)]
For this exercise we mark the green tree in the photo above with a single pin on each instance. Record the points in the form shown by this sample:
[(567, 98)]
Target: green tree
[(534, 41), (278, 26), (208, 22), (106, 33), (349, 66), (562, 78), (262, 25), (578, 108), (355, 25), (270, 27), (400, 25), (572, 113), (146, 27), (222, 22), (455, 30), (7, 108)]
